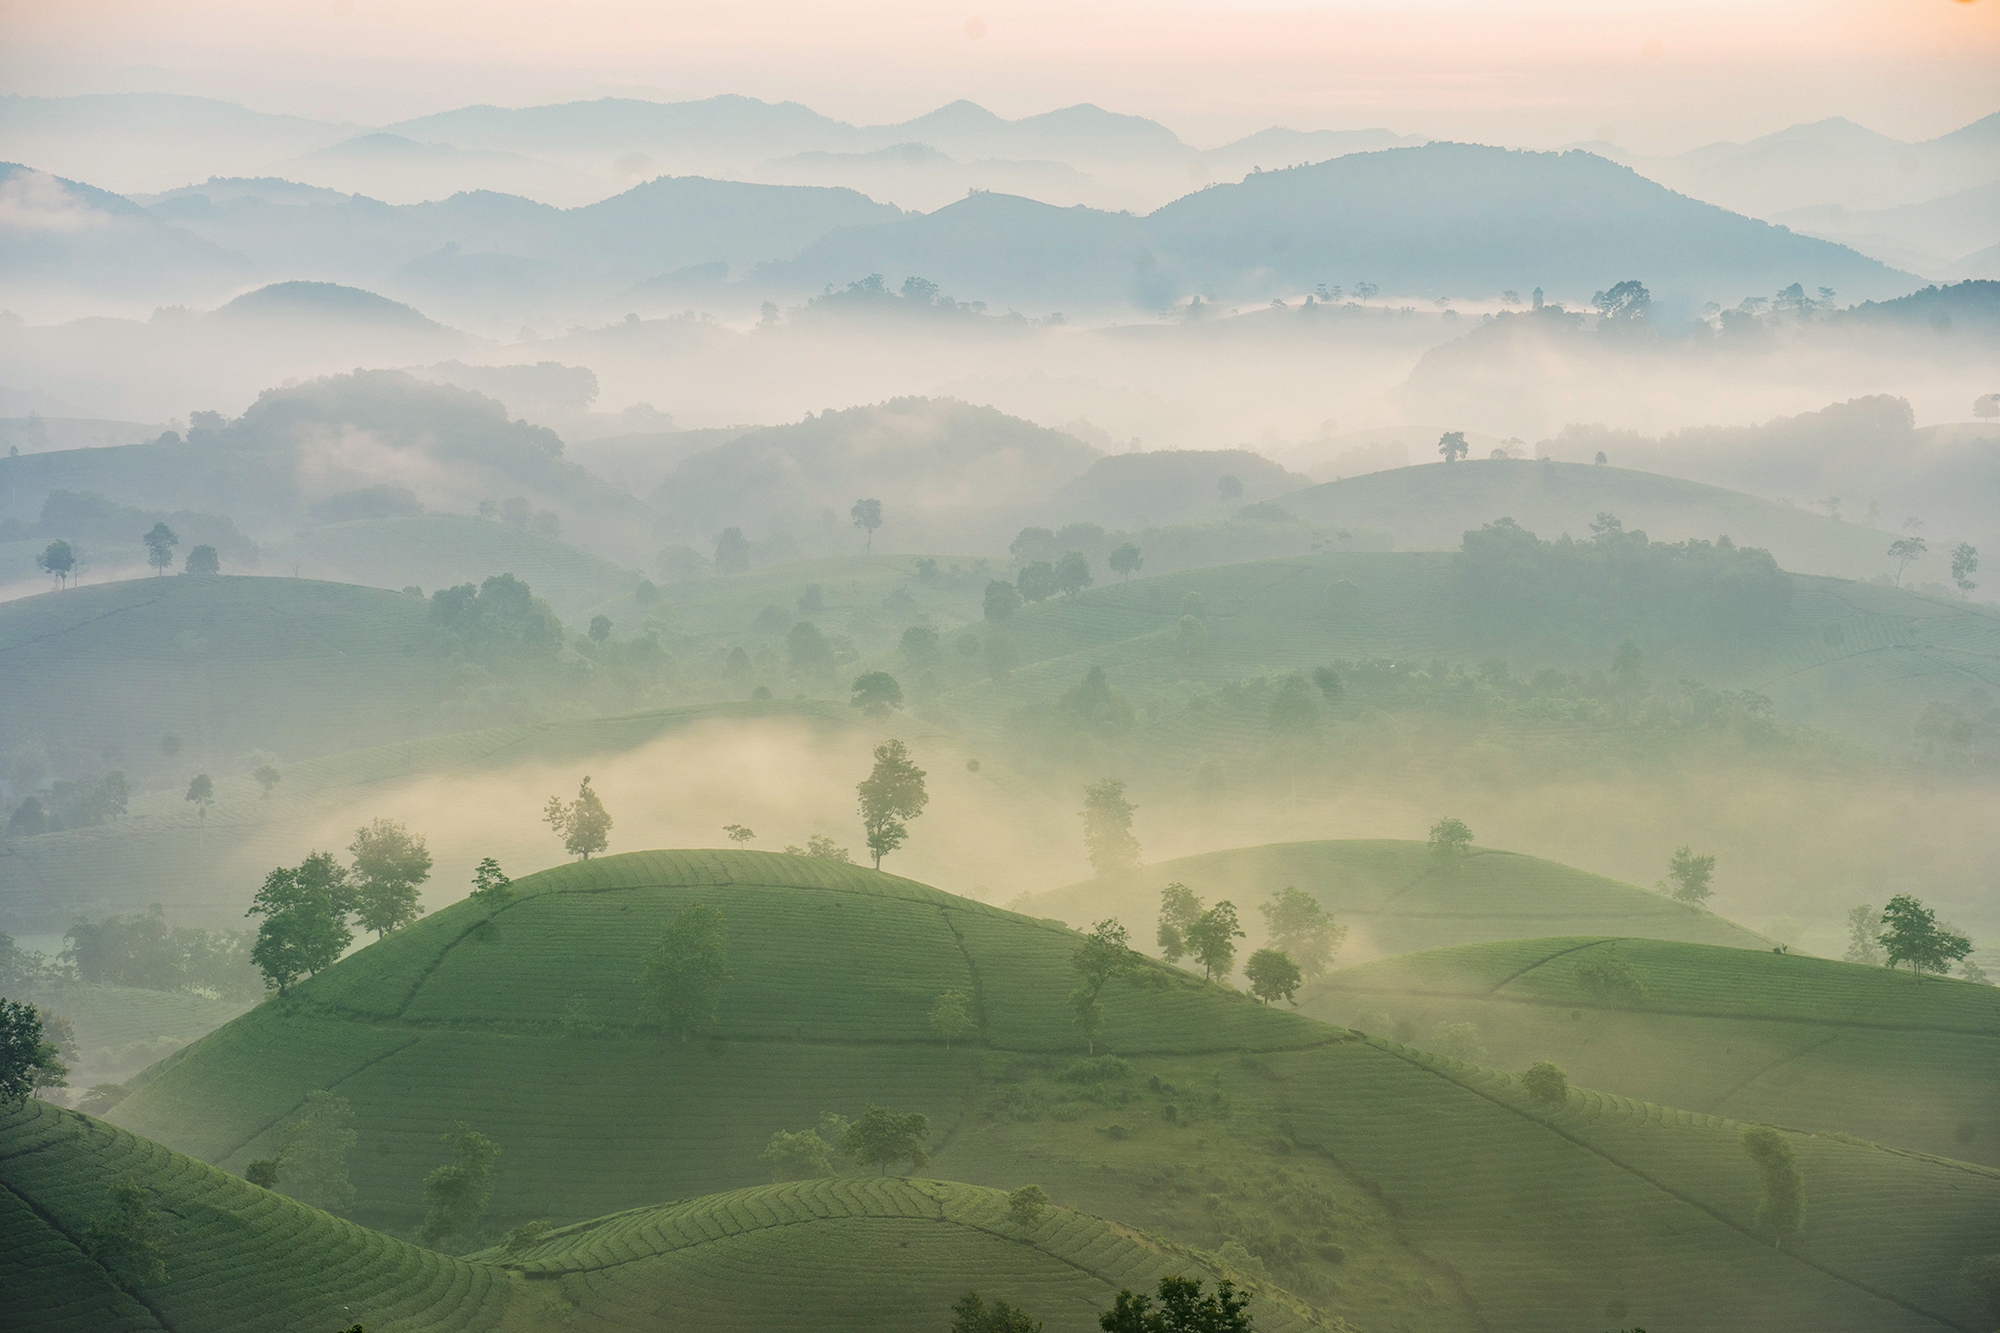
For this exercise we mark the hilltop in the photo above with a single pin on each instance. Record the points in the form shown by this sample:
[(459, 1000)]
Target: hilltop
[(1397, 899), (1783, 1038), (1295, 1128)]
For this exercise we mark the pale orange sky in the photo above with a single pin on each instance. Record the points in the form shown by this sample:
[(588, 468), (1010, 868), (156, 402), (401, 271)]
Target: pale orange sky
[(1657, 76)]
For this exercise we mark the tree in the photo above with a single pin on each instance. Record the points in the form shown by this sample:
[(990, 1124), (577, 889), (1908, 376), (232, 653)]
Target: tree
[(1861, 946), (867, 515), (1691, 875), (160, 544), (951, 1016), (686, 970), (807, 650), (826, 849), (1782, 1208), (1036, 582), (739, 833), (892, 794), (584, 824), (1450, 840), (202, 562), (267, 777), (1002, 600), (313, 1143), (1300, 927), (732, 552), (1328, 681), (600, 628), (57, 560), (1072, 573), (1107, 827), (1104, 953), (1211, 939), (129, 1241), (1453, 446), (1915, 936), (1026, 1204), (456, 1194), (1546, 1083), (971, 1314), (1273, 976), (920, 642), (1904, 551), (305, 920), (1624, 307), (1964, 564), (1126, 560), (801, 1156), (201, 792), (1182, 1308), (876, 694), (883, 1137), (28, 1060), (1179, 910), (490, 884), (389, 863)]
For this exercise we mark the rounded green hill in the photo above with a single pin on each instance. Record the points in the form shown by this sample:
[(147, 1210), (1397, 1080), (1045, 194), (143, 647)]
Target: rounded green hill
[(1356, 1171), (1782, 1038), (1395, 897)]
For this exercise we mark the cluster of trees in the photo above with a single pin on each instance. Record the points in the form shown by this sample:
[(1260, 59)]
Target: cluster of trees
[(306, 908), (1178, 1305), (71, 803), (879, 1138), (143, 951), (29, 1061), (500, 622), (1206, 934)]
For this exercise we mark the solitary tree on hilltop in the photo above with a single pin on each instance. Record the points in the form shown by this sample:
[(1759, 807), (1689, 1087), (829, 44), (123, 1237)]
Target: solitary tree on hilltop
[(882, 1137), (490, 884), (1450, 840), (389, 863), (686, 970), (732, 552), (58, 561), (160, 544), (1782, 1207), (1026, 1204), (584, 824), (1453, 446), (1904, 551), (202, 561), (1691, 875), (867, 515), (1914, 935), (1107, 827), (739, 833), (892, 794)]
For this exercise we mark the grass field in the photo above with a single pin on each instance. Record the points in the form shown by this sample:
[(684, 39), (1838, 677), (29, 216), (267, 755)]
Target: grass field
[(1787, 1039), (1395, 898), (1391, 1188)]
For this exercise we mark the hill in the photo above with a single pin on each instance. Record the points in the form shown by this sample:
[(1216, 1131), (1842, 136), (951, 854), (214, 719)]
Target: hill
[(237, 1257), (61, 239), (1395, 898), (1219, 1119), (1171, 486), (1780, 1038)]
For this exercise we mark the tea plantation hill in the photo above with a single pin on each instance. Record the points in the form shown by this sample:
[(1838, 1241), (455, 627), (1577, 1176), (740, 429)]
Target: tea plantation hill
[(1856, 659), (1390, 1187), (1784, 1039), (204, 868), (1430, 506), (1395, 897), (238, 1257), (858, 1254)]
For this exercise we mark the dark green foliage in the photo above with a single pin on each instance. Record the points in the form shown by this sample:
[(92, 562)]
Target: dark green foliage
[(1782, 1207), (1182, 1307), (389, 863), (1211, 939), (1300, 927), (265, 1172), (519, 1240), (1513, 584), (876, 694), (1104, 954), (801, 1156), (1915, 936), (1036, 581), (202, 562), (143, 951), (1107, 827), (920, 642), (971, 1314), (28, 1060), (490, 884), (57, 560), (129, 1240), (882, 1137), (687, 969), (78, 803), (600, 628), (1450, 839), (201, 793), (305, 919), (160, 543), (267, 777), (951, 1017), (584, 824), (1606, 978), (892, 794), (1126, 560), (1691, 875), (1179, 910), (1546, 1083), (1093, 707), (455, 1194), (1273, 976), (1026, 1204), (499, 623)]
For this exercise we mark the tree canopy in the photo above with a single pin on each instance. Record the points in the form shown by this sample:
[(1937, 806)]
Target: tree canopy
[(882, 1137), (892, 794), (305, 927), (1300, 927), (389, 863), (1912, 934), (584, 825), (28, 1060), (1107, 827), (1180, 1307), (686, 970)]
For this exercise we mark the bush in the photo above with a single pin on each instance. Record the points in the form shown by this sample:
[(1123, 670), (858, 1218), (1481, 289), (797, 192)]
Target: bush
[(1546, 1083)]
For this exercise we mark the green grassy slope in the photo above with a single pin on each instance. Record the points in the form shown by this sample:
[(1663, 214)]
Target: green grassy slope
[(1788, 1039), (1430, 507), (433, 551), (865, 1254), (226, 664), (237, 1257), (1388, 1187), (1395, 898)]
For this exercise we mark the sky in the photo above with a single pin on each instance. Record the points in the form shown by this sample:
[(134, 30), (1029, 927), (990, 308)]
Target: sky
[(1653, 77)]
